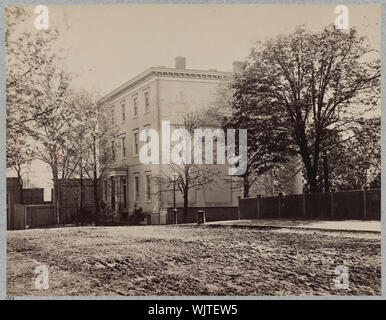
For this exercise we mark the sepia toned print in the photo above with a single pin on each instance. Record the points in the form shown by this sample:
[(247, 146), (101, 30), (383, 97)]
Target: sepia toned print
[(193, 150)]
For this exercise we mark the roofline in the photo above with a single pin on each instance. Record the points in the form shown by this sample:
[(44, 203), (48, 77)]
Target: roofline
[(165, 72)]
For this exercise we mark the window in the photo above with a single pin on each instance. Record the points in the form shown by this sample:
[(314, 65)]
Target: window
[(123, 142), (123, 106), (136, 188), (113, 150), (147, 103), (135, 143), (146, 128), (135, 106), (148, 187), (112, 114)]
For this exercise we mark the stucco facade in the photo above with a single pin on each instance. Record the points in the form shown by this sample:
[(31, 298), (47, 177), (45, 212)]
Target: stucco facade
[(156, 95)]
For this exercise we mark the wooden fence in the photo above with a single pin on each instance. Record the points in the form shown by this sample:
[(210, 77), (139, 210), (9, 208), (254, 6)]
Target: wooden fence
[(211, 214), (39, 215), (341, 205)]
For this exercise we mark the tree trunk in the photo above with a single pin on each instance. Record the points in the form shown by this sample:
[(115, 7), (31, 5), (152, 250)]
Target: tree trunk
[(246, 186), (95, 183), (96, 201), (325, 173), (186, 204), (186, 195), (311, 171), (81, 191), (54, 168), (312, 180), (55, 199), (20, 181)]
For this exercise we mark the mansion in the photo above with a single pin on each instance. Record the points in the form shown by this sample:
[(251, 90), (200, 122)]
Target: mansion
[(160, 94)]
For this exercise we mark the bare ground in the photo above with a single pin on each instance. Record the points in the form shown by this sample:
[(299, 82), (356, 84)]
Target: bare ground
[(190, 260)]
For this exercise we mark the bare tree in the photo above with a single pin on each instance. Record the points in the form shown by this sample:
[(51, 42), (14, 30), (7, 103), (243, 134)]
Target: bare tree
[(19, 157), (52, 130), (28, 55), (186, 176), (92, 140), (37, 96)]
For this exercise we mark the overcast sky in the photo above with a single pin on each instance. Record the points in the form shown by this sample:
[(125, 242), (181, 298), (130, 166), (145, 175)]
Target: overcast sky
[(106, 45)]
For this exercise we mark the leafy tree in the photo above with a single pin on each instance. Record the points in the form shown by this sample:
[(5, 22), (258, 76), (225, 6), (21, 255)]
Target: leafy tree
[(355, 161), (264, 154), (299, 89)]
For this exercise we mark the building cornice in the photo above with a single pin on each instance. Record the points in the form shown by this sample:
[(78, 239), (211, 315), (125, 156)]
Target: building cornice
[(119, 171), (166, 73)]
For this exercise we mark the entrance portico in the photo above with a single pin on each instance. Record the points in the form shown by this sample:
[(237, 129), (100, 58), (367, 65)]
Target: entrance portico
[(116, 192)]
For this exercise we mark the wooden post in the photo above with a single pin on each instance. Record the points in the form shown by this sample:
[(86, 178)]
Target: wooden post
[(332, 204), (25, 216), (238, 209), (304, 205), (175, 215), (280, 200), (258, 206), (364, 203)]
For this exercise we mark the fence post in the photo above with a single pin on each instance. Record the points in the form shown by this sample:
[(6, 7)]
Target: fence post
[(258, 206), (175, 215), (25, 216), (238, 209), (280, 200), (364, 203), (332, 204), (304, 205)]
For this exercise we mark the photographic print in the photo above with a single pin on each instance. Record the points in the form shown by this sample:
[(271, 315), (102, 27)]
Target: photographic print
[(206, 150)]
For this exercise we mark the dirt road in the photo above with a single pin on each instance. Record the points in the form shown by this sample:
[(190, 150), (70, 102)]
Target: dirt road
[(190, 260)]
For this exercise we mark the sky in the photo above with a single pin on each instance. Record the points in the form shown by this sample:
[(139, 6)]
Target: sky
[(106, 45)]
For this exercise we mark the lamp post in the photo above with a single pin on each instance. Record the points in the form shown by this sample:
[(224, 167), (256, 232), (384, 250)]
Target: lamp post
[(174, 176)]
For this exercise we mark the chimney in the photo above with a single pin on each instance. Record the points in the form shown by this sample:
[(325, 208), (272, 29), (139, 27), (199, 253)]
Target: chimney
[(180, 62), (238, 66)]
